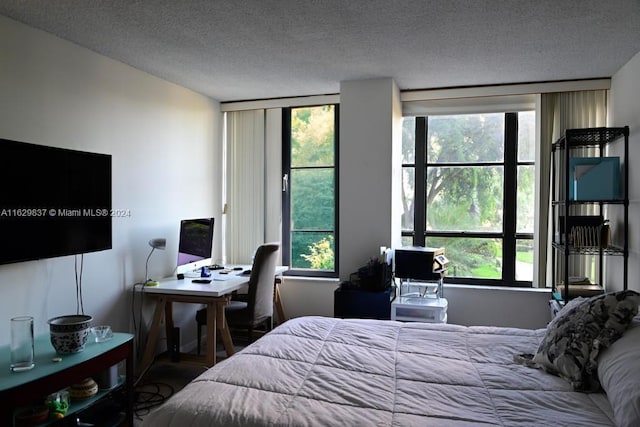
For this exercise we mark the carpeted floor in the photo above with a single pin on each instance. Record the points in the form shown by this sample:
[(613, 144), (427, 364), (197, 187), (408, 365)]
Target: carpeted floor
[(164, 379), (159, 384)]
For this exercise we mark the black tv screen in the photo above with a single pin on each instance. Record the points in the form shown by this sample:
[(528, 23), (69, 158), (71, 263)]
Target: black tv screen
[(53, 202)]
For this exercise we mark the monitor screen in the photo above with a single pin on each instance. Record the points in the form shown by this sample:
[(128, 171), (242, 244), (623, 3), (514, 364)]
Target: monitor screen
[(53, 202), (195, 244)]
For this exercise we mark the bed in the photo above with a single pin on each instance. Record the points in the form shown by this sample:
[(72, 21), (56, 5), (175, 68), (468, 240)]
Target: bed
[(317, 371)]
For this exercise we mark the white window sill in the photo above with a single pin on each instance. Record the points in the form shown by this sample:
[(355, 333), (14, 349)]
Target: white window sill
[(497, 288)]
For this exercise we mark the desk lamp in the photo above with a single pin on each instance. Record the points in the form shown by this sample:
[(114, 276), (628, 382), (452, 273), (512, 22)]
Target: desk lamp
[(161, 244)]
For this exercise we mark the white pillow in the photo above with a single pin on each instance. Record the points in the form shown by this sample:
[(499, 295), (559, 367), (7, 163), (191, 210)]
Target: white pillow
[(619, 375)]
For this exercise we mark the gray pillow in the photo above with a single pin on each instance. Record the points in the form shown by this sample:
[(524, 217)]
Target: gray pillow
[(580, 331)]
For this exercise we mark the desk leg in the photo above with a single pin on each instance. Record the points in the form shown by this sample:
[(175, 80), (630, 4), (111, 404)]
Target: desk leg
[(211, 334), (168, 327), (224, 328), (150, 348), (278, 302)]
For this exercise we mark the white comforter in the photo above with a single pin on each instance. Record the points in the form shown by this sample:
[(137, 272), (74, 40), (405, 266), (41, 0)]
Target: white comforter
[(318, 371)]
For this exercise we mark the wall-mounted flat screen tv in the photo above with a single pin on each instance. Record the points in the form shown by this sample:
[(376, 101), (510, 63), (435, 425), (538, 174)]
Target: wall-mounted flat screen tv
[(53, 202)]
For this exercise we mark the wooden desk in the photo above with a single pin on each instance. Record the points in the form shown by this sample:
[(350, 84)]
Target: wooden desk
[(214, 295), (18, 389)]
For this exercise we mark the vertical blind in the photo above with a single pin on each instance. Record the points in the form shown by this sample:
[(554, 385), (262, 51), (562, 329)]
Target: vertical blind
[(561, 111), (244, 219), (253, 192)]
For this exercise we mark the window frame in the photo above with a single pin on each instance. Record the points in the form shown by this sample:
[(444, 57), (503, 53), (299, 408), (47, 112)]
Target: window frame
[(508, 235), (286, 195)]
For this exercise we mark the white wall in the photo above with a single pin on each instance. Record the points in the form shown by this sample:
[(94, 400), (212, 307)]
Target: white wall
[(498, 306), (468, 305), (163, 139), (625, 111), (369, 114), (307, 296)]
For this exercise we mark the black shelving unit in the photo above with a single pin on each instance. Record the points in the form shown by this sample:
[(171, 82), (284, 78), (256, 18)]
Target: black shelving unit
[(572, 142)]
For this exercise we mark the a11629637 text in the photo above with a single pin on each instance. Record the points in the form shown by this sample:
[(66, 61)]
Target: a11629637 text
[(62, 212)]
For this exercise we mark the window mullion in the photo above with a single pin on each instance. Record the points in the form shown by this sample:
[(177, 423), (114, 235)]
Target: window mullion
[(286, 190), (420, 197), (336, 185), (510, 197)]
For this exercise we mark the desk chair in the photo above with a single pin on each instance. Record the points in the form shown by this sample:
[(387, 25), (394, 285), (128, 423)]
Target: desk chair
[(257, 309)]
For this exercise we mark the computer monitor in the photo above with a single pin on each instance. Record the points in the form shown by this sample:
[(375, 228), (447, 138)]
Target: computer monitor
[(195, 244)]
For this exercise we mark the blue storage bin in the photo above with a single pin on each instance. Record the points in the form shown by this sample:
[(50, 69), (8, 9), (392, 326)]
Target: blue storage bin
[(352, 303), (594, 178)]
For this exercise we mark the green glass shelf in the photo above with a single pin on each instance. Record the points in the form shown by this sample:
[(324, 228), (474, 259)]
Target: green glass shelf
[(76, 406), (53, 372), (44, 355)]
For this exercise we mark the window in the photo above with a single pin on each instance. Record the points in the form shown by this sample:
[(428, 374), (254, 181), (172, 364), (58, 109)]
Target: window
[(468, 186), (310, 141)]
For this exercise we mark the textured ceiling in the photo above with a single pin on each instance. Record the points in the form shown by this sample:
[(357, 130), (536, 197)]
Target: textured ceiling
[(254, 49)]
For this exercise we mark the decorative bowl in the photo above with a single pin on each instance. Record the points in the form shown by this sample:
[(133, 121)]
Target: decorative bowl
[(84, 389), (69, 333)]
